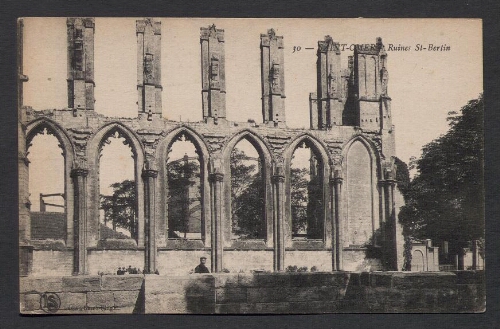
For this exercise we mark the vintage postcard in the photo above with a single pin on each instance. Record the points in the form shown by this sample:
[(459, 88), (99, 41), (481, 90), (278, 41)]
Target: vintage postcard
[(209, 165)]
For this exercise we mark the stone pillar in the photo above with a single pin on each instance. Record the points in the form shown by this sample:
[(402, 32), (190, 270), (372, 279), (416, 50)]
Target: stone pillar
[(216, 201), (336, 196), (25, 248), (23, 162), (149, 176), (313, 111), (81, 63), (278, 181), (79, 176), (149, 86), (391, 221), (329, 83), (475, 255), (213, 76), (21, 77), (273, 78)]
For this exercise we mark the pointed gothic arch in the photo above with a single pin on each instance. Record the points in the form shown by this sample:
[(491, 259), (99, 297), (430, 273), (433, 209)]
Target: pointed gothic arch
[(37, 127), (93, 155), (162, 154), (361, 202), (266, 159), (323, 172)]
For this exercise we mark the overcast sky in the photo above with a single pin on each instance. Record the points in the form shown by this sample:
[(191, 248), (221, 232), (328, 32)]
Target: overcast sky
[(424, 85)]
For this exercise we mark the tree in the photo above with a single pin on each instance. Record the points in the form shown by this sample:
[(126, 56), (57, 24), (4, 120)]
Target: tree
[(445, 200), (298, 199), (247, 197), (120, 208)]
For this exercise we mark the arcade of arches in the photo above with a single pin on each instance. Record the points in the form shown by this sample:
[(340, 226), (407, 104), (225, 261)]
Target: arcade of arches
[(346, 160)]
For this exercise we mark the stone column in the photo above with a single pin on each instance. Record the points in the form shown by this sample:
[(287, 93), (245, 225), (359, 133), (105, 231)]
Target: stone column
[(216, 200), (272, 78), (81, 63), (390, 222), (337, 245), (329, 92), (149, 86), (79, 176), (25, 247), (475, 255), (278, 181), (149, 176), (213, 76)]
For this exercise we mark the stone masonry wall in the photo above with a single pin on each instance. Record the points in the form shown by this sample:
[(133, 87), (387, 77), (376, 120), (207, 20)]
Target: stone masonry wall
[(337, 292), (320, 292), (52, 262), (82, 294)]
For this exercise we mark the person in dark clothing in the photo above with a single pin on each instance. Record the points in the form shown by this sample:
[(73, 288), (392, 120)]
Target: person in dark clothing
[(202, 268)]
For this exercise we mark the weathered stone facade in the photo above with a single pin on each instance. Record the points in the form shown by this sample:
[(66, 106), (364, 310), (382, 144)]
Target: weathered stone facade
[(351, 132)]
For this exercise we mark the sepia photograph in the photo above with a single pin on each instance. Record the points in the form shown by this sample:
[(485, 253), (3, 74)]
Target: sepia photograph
[(244, 166)]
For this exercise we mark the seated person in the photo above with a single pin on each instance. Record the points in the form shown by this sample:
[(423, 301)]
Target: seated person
[(202, 268)]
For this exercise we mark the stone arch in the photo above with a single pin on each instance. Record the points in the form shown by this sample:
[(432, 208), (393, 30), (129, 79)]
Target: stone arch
[(109, 129), (265, 154), (321, 151), (417, 261), (162, 150), (93, 154), (37, 126), (314, 142), (361, 199), (372, 149), (68, 152), (254, 138)]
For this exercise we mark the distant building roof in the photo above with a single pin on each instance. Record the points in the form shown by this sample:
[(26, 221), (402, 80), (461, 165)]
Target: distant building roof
[(48, 225), (52, 225)]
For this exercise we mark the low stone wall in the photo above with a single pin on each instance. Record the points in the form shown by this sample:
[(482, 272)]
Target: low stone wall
[(341, 292), (82, 294), (320, 292), (180, 294)]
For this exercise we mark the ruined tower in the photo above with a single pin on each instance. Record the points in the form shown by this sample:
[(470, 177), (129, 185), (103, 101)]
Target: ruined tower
[(213, 77), (356, 96), (273, 78), (149, 67), (371, 76), (81, 63)]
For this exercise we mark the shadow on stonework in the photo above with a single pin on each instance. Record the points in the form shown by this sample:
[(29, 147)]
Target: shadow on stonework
[(140, 304), (382, 246), (352, 296), (200, 295)]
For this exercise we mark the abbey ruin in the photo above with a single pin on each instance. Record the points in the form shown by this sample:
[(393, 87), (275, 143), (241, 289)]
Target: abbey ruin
[(351, 137)]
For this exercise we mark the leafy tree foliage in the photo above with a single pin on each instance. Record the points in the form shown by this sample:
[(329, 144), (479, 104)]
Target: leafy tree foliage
[(247, 197), (306, 202), (445, 200), (315, 210), (120, 208), (299, 199)]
